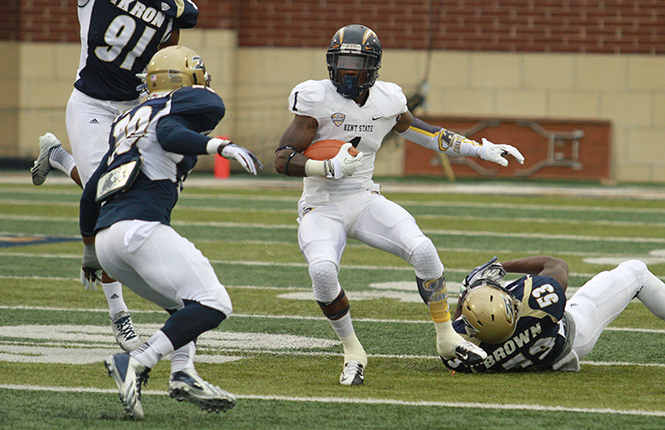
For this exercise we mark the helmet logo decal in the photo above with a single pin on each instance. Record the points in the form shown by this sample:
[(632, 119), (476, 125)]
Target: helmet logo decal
[(350, 48), (367, 35), (338, 118), (470, 329), (198, 63)]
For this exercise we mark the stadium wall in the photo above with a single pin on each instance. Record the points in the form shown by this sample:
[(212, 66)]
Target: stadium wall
[(592, 60)]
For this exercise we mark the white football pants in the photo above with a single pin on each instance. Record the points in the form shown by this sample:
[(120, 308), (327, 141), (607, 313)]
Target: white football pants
[(599, 301), (366, 216), (158, 264), (88, 123)]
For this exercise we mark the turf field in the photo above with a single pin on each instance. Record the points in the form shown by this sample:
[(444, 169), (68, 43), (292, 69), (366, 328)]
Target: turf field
[(277, 353)]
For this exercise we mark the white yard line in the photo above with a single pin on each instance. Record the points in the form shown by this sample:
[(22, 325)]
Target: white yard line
[(242, 263), (468, 207), (294, 226), (442, 186), (369, 401), (294, 317)]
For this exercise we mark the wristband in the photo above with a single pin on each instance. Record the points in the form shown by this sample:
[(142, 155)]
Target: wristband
[(286, 168), (315, 167), (212, 147)]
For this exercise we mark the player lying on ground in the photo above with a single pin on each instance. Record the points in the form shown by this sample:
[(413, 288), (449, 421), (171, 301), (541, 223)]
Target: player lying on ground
[(528, 324)]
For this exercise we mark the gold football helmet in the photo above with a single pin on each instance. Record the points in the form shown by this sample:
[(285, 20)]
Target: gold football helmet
[(490, 312), (174, 67)]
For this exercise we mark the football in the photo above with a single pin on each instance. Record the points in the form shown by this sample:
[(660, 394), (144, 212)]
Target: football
[(326, 149)]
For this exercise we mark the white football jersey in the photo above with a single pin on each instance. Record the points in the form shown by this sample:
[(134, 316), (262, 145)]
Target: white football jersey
[(341, 118)]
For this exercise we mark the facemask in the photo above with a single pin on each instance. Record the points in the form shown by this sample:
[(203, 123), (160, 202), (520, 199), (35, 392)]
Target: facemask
[(349, 87)]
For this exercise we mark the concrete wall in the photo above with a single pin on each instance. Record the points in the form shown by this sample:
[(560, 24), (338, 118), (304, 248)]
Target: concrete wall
[(628, 89), (9, 95)]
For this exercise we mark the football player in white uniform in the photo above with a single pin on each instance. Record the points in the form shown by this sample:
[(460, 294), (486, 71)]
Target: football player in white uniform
[(528, 324), (117, 41), (340, 199), (125, 215)]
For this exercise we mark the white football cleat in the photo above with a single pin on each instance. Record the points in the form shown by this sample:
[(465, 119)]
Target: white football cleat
[(128, 375), (42, 165), (469, 353), (187, 385), (352, 374), (123, 330)]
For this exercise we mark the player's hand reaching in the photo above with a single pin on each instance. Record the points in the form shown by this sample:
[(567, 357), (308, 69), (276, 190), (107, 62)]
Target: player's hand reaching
[(344, 164), (492, 270), (242, 155), (497, 153), (91, 270)]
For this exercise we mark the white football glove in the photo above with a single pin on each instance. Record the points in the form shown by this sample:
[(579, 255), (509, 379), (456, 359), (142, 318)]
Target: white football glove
[(492, 270), (91, 270), (344, 164), (497, 153), (242, 155)]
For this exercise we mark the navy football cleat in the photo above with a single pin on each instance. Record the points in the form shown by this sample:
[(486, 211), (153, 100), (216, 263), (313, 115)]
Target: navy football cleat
[(129, 375), (187, 385)]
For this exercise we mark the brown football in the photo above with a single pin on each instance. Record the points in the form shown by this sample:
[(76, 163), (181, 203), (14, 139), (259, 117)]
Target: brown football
[(326, 149)]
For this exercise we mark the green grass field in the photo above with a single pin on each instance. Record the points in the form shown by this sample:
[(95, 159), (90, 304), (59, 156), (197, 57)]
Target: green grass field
[(277, 353)]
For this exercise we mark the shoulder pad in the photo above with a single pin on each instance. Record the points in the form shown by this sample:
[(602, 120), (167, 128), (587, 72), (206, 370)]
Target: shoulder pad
[(305, 97), (389, 98), (198, 100), (184, 12), (194, 96)]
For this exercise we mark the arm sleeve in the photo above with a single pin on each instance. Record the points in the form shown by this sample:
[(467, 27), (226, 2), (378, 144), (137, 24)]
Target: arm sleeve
[(440, 139), (175, 134)]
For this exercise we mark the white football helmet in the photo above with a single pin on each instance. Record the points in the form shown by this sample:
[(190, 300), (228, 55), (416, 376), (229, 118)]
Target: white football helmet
[(174, 67), (490, 312)]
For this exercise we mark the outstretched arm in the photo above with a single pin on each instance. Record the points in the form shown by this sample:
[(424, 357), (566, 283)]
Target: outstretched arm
[(541, 265), (448, 142)]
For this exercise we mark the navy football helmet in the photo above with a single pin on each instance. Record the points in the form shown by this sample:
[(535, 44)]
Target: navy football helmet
[(354, 47)]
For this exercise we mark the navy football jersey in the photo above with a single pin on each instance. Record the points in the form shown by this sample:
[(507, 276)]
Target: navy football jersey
[(118, 39), (539, 337), (136, 133)]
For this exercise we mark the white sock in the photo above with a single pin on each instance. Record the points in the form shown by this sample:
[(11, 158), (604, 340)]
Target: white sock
[(353, 349), (183, 358), (343, 326), (157, 347), (113, 293), (62, 160), (446, 339)]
